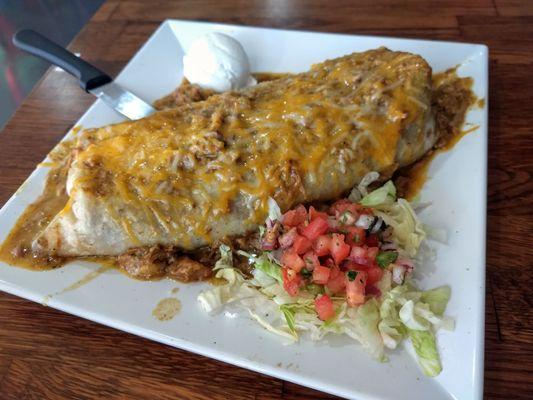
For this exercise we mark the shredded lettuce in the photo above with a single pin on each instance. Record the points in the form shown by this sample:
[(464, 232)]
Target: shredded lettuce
[(390, 327), (213, 300), (410, 319), (277, 294), (401, 312), (288, 313), (437, 299), (264, 268), (261, 279), (363, 326), (235, 289), (270, 327), (426, 351), (406, 227), (226, 258), (283, 315), (268, 267), (386, 194), (406, 311)]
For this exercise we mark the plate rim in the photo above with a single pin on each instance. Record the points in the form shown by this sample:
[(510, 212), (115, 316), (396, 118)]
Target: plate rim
[(262, 367)]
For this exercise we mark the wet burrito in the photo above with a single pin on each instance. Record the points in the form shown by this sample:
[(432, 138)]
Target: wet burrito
[(194, 174)]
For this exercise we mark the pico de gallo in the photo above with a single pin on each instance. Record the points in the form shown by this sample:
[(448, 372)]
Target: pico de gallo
[(341, 268), (342, 251)]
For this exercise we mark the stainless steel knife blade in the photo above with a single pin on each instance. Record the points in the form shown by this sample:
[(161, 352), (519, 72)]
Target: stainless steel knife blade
[(123, 101), (90, 78)]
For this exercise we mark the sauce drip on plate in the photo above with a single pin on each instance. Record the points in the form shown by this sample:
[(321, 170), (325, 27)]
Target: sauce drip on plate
[(167, 309)]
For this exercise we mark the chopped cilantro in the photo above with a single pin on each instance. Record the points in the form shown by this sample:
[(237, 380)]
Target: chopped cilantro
[(306, 273), (351, 275), (384, 258)]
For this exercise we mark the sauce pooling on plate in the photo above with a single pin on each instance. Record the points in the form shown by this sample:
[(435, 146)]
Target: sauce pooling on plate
[(16, 249), (452, 99)]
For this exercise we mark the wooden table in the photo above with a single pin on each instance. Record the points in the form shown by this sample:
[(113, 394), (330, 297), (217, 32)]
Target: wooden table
[(48, 354)]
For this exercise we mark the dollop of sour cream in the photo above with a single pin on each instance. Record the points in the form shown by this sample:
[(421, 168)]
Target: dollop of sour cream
[(217, 62)]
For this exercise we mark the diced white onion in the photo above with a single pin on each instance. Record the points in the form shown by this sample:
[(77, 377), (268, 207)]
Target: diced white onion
[(398, 274), (364, 221), (377, 226)]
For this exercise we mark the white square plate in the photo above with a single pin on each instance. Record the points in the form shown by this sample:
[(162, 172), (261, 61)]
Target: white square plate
[(457, 189)]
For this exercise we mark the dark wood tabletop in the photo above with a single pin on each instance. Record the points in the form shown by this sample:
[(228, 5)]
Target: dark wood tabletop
[(47, 354)]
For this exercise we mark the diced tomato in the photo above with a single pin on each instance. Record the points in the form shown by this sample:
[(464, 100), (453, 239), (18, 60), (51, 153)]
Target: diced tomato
[(321, 275), (359, 255), (339, 249), (371, 253), (350, 265), (315, 228), (313, 214), (347, 218), (355, 288), (291, 281), (372, 240), (338, 204), (330, 263), (289, 259), (345, 205), (291, 274), (294, 217), (371, 290), (287, 239), (336, 282), (324, 307), (322, 245), (339, 244), (374, 275), (333, 224), (301, 245), (354, 235), (311, 260)]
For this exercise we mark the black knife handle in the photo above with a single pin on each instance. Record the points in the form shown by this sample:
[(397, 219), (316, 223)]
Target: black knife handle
[(34, 43)]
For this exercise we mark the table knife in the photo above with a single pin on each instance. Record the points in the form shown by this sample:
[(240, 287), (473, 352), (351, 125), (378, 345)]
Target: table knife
[(91, 79)]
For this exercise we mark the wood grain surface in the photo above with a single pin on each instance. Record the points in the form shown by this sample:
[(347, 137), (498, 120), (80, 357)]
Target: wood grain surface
[(46, 354)]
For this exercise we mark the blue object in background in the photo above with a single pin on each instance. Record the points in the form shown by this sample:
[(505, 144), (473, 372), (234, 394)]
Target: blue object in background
[(60, 20)]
